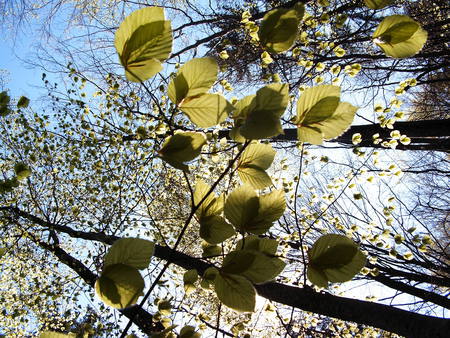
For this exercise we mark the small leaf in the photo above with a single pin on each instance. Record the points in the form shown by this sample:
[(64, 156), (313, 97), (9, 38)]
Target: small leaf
[(399, 36), (378, 4), (190, 276), (279, 28), (22, 171), (189, 332), (212, 205), (164, 307), (182, 147), (135, 252), (211, 250), (236, 292), (119, 286), (23, 102), (195, 77), (253, 164), (209, 277), (206, 110), (263, 121), (143, 41), (214, 229)]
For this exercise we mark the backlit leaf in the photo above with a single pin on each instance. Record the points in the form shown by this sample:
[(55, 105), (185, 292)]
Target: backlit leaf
[(182, 147), (143, 41), (263, 121), (279, 28), (135, 252), (206, 110), (193, 78), (236, 292), (212, 205), (378, 4), (399, 36), (119, 286), (241, 206), (253, 164), (215, 229)]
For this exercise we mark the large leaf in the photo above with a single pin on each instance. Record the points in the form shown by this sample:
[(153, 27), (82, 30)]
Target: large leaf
[(263, 121), (254, 265), (244, 106), (378, 4), (236, 292), (271, 208), (265, 245), (320, 114), (215, 229), (251, 213), (119, 286), (195, 77), (206, 110), (334, 258), (253, 164), (241, 206), (182, 147), (399, 36), (135, 252), (143, 41), (279, 28)]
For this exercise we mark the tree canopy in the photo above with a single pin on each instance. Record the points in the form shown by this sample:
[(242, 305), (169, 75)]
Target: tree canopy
[(249, 169)]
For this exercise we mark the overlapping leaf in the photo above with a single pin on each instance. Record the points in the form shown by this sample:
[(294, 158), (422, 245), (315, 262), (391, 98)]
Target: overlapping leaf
[(254, 162), (399, 36), (378, 4), (134, 252), (321, 115), (334, 258), (143, 41), (262, 117), (182, 147), (119, 286), (236, 292), (252, 213)]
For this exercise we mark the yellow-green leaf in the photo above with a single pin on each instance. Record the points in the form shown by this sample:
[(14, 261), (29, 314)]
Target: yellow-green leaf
[(206, 110), (189, 332), (279, 28), (212, 205), (53, 334), (265, 245), (378, 4), (182, 147), (143, 41), (215, 229), (271, 208), (195, 77), (335, 258), (253, 163), (135, 252), (22, 171), (263, 120), (236, 292), (241, 206), (399, 36), (119, 286)]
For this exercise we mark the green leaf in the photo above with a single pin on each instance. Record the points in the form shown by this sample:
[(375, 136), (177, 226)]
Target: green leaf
[(378, 4), (209, 277), (143, 41), (23, 102), (279, 28), (244, 106), (195, 77), (212, 205), (206, 110), (252, 213), (241, 206), (215, 229), (135, 252), (53, 334), (119, 286), (271, 208), (254, 265), (4, 103), (253, 164), (334, 258), (211, 250), (399, 36), (2, 252), (320, 114), (190, 276), (164, 307), (236, 292), (189, 332), (263, 121), (265, 245), (22, 171), (182, 147)]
